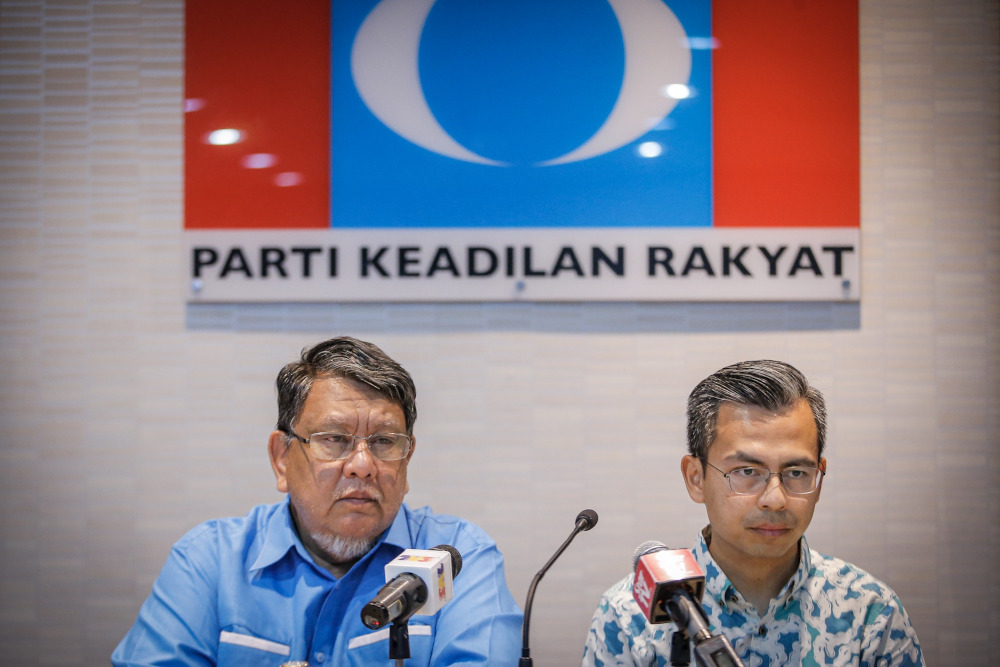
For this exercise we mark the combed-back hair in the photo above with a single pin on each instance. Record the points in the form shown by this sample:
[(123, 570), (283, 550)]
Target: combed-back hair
[(772, 385), (349, 358)]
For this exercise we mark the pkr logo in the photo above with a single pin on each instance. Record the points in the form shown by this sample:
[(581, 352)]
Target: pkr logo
[(501, 114), (386, 57)]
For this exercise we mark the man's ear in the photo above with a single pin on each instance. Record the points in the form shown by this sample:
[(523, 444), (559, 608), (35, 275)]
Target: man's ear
[(694, 478), (822, 466), (406, 463), (277, 449)]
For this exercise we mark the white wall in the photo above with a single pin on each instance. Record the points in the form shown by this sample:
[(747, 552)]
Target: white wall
[(127, 417)]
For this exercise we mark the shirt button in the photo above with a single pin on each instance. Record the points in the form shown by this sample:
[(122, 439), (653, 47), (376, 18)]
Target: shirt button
[(320, 657)]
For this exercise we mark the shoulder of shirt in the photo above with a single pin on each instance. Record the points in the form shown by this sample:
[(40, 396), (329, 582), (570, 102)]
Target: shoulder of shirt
[(232, 528), (842, 575), (619, 595), (428, 528)]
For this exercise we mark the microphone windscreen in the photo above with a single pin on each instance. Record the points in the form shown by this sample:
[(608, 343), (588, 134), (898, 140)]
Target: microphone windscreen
[(588, 517), (456, 558), (646, 548)]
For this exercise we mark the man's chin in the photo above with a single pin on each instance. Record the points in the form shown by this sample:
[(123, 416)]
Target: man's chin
[(356, 528), (772, 546), (340, 548)]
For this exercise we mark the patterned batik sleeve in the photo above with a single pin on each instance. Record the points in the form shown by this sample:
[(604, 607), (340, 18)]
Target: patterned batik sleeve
[(619, 634), (890, 638)]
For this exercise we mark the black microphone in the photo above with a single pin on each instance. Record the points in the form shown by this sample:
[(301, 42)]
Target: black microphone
[(410, 576), (585, 520), (668, 586)]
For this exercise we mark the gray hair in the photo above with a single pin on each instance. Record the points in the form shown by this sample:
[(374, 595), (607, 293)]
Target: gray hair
[(351, 359), (772, 385)]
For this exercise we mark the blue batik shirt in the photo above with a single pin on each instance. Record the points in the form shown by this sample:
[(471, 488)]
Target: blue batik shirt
[(245, 592), (830, 613)]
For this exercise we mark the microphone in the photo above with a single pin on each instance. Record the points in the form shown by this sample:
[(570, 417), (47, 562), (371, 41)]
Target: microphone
[(661, 571), (411, 576), (668, 587), (585, 520)]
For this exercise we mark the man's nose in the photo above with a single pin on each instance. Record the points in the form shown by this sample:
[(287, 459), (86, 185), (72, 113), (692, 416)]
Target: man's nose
[(773, 496), (360, 463)]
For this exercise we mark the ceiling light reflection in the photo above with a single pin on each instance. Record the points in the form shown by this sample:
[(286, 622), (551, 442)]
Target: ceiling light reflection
[(650, 149), (287, 179), (193, 104), (677, 91), (225, 137), (259, 160), (702, 43)]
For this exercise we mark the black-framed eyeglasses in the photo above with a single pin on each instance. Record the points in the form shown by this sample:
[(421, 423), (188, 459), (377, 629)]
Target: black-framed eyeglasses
[(751, 480), (334, 446)]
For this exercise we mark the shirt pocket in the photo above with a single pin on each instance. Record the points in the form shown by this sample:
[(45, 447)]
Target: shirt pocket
[(373, 647), (239, 648)]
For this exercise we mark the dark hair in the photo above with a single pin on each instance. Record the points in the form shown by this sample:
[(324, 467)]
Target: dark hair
[(773, 385), (349, 358)]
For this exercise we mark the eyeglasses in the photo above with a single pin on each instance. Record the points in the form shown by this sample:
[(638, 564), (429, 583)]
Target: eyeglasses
[(750, 480), (331, 446)]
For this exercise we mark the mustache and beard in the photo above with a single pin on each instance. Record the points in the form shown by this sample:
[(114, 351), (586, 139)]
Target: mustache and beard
[(338, 548)]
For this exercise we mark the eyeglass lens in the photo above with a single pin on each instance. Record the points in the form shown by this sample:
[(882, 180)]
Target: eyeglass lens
[(795, 480), (336, 446)]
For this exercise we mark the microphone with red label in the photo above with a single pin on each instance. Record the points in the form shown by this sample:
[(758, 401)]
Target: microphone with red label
[(668, 586)]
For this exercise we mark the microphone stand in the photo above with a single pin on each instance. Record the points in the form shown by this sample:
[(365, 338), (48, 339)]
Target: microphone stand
[(399, 630), (399, 641), (680, 649), (584, 521), (709, 650)]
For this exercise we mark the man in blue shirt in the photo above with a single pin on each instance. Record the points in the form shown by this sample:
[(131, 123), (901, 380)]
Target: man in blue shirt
[(756, 432), (287, 582)]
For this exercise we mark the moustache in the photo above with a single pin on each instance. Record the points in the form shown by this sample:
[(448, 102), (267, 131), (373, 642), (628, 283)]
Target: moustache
[(356, 488)]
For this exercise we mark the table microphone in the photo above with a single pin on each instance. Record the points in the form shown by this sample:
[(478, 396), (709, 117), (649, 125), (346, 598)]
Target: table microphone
[(668, 586), (585, 520), (659, 573), (419, 581)]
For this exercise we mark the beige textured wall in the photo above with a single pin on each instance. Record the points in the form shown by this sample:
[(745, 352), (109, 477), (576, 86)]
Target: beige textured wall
[(127, 417)]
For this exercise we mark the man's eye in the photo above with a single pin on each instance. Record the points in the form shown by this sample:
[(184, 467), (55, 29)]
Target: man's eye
[(745, 472), (794, 473), (333, 438)]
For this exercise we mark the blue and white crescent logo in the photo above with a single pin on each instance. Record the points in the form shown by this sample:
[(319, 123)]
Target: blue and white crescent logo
[(521, 113), (657, 65)]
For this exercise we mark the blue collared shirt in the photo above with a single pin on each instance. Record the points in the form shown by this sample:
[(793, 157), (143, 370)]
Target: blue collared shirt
[(830, 613), (244, 591)]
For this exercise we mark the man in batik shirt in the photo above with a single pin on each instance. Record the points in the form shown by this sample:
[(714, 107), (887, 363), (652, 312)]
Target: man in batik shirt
[(756, 432)]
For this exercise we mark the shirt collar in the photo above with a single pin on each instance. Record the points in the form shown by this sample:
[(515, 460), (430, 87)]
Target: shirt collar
[(717, 584), (398, 534), (798, 579), (280, 537)]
